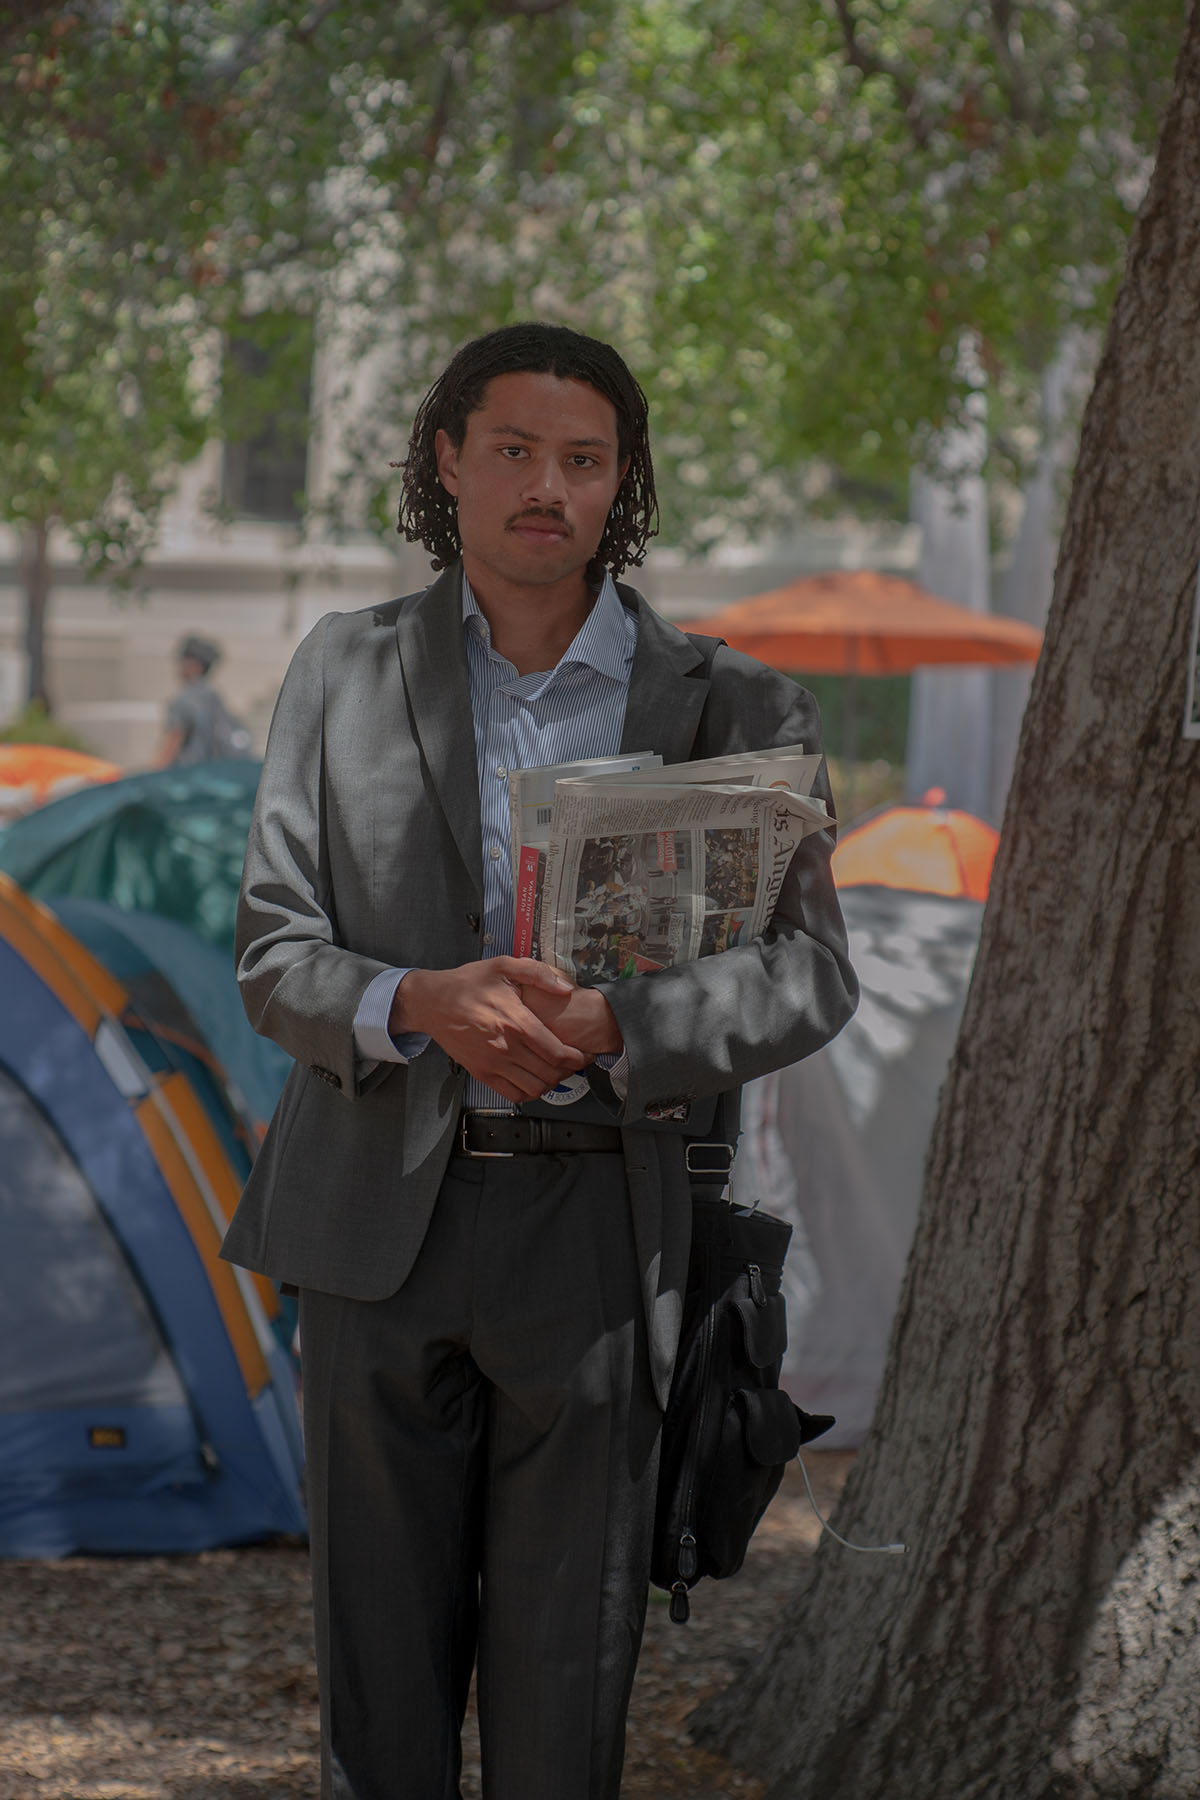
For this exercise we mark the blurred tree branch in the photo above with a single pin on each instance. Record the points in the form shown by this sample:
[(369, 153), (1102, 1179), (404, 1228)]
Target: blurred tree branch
[(867, 63)]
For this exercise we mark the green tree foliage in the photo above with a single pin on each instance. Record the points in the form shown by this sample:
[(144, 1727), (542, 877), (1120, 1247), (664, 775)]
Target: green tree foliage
[(171, 172), (110, 167), (789, 216)]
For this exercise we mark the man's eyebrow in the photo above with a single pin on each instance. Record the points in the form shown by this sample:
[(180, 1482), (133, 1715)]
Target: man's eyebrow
[(532, 437)]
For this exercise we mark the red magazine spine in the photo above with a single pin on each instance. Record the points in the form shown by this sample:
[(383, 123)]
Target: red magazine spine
[(526, 903)]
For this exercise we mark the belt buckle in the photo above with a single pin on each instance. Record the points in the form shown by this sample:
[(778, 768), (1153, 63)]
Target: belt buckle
[(481, 1155), (699, 1144)]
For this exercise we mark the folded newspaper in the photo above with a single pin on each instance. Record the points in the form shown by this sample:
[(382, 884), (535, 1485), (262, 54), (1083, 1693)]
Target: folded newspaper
[(631, 869)]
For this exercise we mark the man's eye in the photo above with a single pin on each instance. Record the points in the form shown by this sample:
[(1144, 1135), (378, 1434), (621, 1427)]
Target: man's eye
[(512, 451), (583, 462)]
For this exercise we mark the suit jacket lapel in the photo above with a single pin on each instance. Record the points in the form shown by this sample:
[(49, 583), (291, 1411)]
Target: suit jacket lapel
[(433, 661), (666, 694)]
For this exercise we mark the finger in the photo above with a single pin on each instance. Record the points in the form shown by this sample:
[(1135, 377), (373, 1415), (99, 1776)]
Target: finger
[(511, 1055), (516, 1084), (482, 1064), (528, 973), (527, 1038), (536, 1076), (547, 1063), (530, 1086), (505, 1087), (515, 1052), (561, 1059)]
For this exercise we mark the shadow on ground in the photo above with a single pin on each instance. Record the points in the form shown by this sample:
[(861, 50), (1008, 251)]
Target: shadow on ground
[(191, 1678)]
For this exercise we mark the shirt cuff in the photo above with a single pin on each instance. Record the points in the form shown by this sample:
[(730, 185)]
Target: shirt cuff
[(618, 1074), (372, 1040)]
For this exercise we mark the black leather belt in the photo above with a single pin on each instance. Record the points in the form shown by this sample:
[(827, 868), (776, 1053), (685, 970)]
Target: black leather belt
[(515, 1134)]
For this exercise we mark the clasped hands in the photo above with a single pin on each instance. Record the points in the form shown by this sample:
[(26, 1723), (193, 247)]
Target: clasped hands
[(509, 1021)]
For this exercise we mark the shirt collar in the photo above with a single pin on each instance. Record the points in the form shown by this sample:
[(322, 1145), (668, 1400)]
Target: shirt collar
[(604, 642)]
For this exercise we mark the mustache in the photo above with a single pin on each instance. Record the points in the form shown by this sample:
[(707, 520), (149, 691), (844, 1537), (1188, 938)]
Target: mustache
[(544, 514)]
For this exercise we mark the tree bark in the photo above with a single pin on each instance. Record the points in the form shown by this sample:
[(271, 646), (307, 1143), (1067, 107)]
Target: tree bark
[(1037, 1438), (35, 572)]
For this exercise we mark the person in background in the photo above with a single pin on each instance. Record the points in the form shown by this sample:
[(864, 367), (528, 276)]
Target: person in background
[(199, 725)]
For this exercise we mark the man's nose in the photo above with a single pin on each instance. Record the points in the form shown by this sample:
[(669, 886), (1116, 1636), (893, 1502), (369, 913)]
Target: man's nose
[(545, 482)]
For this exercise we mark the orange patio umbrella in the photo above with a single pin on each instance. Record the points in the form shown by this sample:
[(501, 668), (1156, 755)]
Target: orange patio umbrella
[(32, 774), (862, 622), (927, 849), (856, 622)]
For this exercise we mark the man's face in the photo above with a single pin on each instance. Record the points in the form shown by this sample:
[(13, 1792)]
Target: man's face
[(534, 477)]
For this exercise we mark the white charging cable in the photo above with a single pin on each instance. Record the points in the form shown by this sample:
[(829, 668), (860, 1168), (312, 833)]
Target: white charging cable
[(865, 1549)]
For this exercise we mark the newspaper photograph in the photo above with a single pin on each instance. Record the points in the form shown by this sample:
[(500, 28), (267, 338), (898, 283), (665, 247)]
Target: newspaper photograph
[(640, 875), (530, 811), (531, 794)]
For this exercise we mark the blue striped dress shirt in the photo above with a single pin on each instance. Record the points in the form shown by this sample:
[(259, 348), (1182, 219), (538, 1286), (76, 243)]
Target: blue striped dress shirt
[(574, 710)]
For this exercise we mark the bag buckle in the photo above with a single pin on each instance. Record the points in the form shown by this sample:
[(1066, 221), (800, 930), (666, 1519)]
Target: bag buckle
[(720, 1165)]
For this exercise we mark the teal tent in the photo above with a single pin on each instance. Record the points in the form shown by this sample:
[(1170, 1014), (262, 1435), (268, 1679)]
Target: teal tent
[(169, 842)]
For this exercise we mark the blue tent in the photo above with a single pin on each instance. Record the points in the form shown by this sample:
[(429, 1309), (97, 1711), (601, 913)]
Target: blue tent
[(147, 1391), (187, 991)]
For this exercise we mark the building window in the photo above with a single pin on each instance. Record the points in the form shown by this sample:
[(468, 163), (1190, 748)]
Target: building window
[(267, 392)]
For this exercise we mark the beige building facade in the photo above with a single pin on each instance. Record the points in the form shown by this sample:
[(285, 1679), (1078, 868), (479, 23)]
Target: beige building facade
[(256, 587)]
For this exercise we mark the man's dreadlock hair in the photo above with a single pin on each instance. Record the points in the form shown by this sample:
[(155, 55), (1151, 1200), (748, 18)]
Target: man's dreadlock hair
[(429, 515)]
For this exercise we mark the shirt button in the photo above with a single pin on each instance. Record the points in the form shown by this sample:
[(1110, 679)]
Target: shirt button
[(494, 853), (488, 938), (503, 774)]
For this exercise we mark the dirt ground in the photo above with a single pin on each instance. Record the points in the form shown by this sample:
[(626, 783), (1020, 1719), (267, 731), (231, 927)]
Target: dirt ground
[(192, 1678)]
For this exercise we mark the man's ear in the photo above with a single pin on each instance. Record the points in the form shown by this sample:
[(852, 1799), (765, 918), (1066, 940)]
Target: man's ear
[(447, 462)]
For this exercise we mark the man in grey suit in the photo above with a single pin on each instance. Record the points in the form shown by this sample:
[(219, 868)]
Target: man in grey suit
[(477, 1175)]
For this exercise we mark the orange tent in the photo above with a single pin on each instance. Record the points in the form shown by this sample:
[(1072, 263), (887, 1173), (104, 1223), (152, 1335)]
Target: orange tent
[(860, 622), (32, 774), (929, 849)]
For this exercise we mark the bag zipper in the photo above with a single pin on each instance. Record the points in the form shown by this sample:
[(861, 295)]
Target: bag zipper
[(686, 1559)]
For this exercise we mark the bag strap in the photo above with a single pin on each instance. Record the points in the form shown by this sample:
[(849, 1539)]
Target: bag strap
[(707, 647), (704, 1185)]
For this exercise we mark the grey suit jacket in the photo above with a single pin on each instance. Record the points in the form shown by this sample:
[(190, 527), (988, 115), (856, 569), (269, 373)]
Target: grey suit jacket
[(365, 853)]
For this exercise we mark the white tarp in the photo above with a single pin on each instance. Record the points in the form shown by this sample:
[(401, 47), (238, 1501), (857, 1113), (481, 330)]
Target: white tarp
[(836, 1144)]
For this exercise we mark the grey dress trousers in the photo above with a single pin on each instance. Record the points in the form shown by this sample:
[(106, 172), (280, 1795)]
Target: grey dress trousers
[(511, 1372)]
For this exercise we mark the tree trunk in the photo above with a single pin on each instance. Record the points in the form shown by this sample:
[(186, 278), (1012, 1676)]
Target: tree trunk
[(35, 573), (1037, 1438)]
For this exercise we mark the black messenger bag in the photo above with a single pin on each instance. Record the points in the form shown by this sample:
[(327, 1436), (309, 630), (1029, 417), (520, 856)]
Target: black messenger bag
[(729, 1429)]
